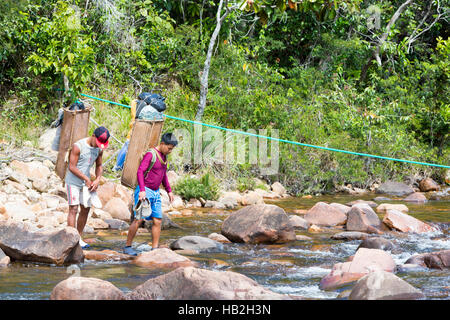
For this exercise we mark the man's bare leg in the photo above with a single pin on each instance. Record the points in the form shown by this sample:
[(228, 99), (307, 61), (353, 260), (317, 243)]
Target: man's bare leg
[(156, 231), (132, 231), (72, 216), (82, 219)]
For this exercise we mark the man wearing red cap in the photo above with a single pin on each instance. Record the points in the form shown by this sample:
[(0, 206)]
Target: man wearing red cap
[(82, 156)]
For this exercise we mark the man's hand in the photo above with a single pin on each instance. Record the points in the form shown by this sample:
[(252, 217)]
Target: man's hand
[(94, 185), (88, 183), (171, 198), (142, 195)]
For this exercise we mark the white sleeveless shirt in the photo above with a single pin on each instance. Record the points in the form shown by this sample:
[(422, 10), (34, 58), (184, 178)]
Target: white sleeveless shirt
[(88, 155)]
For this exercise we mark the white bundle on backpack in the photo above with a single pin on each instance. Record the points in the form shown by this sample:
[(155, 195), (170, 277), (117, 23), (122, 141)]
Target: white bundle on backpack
[(150, 113)]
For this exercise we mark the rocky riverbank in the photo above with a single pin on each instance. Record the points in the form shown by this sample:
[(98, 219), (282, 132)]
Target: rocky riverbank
[(33, 205)]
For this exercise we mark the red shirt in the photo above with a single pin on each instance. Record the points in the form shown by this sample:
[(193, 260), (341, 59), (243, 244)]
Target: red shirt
[(155, 176)]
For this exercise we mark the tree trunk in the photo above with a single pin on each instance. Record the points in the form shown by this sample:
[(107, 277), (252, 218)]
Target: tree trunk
[(376, 52), (205, 73)]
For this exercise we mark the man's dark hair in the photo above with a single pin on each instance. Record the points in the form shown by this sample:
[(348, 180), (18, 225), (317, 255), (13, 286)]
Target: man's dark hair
[(169, 138)]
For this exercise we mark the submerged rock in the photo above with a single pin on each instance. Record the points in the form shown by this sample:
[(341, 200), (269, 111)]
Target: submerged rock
[(106, 255), (350, 235), (195, 243), (377, 243), (200, 284)]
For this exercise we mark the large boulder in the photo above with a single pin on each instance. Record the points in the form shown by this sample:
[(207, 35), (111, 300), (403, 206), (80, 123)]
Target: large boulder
[(405, 223), (81, 288), (325, 215), (57, 246), (200, 284), (433, 260), (123, 193), (428, 184), (382, 285), (162, 258), (106, 192), (364, 262), (258, 224), (361, 218), (196, 243), (46, 139), (341, 207), (394, 188), (118, 209)]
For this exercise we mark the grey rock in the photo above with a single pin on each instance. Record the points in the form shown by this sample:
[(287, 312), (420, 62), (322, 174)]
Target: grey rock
[(377, 243), (382, 285), (58, 246), (117, 224), (189, 283), (394, 188), (195, 243)]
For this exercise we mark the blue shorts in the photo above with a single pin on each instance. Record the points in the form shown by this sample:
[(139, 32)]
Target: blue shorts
[(154, 197)]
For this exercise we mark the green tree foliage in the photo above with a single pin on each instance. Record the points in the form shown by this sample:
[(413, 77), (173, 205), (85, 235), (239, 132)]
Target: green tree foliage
[(294, 66)]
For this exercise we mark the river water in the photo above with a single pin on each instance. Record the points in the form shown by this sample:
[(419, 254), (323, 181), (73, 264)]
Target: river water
[(294, 268)]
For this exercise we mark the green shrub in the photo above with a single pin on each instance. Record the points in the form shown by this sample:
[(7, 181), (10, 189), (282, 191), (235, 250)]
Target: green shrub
[(245, 183), (207, 187)]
